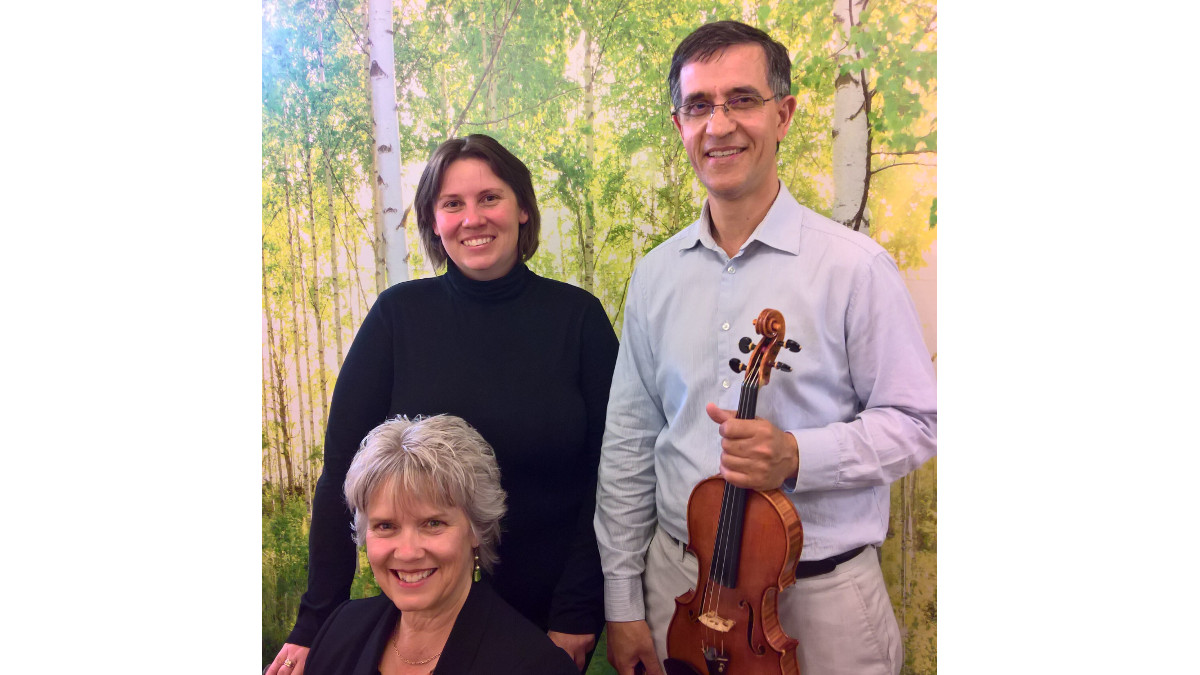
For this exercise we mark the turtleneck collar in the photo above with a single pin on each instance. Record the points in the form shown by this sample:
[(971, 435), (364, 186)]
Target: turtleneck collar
[(506, 287)]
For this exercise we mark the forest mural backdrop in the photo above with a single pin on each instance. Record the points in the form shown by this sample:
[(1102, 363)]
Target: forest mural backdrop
[(577, 89)]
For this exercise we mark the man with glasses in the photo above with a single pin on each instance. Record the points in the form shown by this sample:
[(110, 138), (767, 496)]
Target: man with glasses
[(857, 412)]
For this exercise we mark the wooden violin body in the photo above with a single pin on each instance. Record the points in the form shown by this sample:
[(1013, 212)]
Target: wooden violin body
[(755, 642), (747, 543)]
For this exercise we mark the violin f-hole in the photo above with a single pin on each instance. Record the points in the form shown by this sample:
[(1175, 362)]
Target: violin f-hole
[(757, 647)]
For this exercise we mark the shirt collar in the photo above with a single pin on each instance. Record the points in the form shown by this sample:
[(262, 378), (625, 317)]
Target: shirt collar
[(778, 228)]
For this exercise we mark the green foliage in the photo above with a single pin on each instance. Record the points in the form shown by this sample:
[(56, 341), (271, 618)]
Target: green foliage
[(364, 584), (284, 566), (900, 205), (898, 46)]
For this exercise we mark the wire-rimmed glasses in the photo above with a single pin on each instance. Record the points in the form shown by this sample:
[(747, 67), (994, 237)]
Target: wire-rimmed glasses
[(734, 105)]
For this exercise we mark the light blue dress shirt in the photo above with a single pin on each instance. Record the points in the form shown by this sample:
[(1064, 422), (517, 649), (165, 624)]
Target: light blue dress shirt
[(861, 399)]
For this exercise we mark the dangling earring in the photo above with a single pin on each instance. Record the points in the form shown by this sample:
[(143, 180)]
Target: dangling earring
[(477, 567)]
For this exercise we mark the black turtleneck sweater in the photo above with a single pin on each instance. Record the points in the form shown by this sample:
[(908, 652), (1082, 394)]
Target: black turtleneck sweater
[(528, 362)]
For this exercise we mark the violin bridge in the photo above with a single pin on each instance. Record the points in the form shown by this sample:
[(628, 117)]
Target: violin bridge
[(716, 622)]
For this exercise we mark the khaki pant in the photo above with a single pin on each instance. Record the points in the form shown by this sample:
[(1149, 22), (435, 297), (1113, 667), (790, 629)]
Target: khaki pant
[(843, 619)]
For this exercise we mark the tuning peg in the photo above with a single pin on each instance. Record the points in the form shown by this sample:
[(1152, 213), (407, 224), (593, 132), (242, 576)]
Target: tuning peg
[(736, 365), (792, 346), (783, 366), (745, 344)]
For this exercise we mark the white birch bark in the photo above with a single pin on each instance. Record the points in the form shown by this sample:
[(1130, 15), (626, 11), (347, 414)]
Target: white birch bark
[(851, 136), (387, 140)]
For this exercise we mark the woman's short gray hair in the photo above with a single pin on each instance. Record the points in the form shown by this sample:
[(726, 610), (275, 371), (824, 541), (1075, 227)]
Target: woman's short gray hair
[(439, 459)]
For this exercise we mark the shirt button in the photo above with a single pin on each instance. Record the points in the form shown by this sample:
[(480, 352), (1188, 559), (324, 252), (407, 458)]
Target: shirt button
[(725, 326), (725, 383), (730, 269)]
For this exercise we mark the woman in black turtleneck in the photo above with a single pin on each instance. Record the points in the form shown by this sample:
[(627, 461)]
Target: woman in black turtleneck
[(525, 360)]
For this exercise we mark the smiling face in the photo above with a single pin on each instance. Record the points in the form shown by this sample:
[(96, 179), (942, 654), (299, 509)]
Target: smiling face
[(478, 219), (734, 156), (421, 553)]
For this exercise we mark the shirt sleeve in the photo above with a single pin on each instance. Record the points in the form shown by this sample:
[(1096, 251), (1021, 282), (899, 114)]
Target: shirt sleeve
[(577, 606), (625, 507), (360, 402), (891, 372)]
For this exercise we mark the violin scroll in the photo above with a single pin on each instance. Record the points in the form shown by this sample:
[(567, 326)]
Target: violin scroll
[(770, 325)]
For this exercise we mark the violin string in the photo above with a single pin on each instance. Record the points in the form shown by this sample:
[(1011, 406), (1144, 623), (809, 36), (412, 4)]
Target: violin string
[(725, 531), (726, 539), (719, 556), (710, 595), (711, 598), (721, 552), (727, 546)]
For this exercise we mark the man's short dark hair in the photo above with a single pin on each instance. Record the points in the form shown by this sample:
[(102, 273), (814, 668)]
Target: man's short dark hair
[(710, 39), (507, 168)]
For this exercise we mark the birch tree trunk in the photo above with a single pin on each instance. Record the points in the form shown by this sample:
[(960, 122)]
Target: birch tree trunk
[(315, 291), (908, 493), (445, 107), (277, 387), (333, 264), (334, 282), (587, 226), (305, 446), (268, 425), (562, 246), (302, 365), (362, 304), (285, 455), (490, 112), (851, 146), (378, 243), (352, 269), (386, 147)]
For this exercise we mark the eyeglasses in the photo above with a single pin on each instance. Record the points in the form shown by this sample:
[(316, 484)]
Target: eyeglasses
[(734, 105)]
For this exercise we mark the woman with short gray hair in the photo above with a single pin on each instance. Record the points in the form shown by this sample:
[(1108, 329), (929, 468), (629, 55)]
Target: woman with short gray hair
[(439, 459), (427, 503)]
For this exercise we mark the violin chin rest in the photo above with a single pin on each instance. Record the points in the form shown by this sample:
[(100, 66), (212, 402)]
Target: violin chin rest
[(677, 667)]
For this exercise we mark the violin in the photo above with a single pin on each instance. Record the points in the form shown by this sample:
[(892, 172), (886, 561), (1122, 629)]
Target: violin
[(729, 623)]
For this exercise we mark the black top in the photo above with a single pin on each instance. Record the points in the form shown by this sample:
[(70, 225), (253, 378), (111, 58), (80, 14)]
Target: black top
[(488, 638), (528, 362)]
